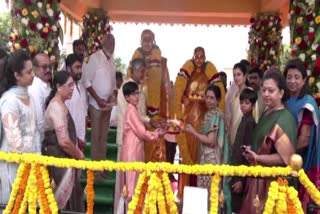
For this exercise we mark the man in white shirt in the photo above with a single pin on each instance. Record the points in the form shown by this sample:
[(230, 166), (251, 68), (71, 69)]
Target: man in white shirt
[(77, 105), (40, 88), (100, 81)]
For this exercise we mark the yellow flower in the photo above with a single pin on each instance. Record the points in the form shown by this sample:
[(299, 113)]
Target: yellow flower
[(298, 40), (45, 30), (48, 6), (299, 20), (35, 14), (25, 12), (31, 48), (311, 80), (317, 19), (309, 52), (49, 50), (17, 46)]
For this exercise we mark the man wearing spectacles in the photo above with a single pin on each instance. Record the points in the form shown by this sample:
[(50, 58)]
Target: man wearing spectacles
[(40, 88)]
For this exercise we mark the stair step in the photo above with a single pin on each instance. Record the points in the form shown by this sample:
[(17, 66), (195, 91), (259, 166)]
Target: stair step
[(112, 135), (112, 150)]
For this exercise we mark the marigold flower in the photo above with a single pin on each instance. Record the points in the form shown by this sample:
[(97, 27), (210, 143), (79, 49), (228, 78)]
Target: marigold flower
[(25, 12), (299, 20)]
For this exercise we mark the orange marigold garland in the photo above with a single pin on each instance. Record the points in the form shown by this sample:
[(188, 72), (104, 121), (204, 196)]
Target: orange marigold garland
[(15, 188), (50, 196), (43, 198), (22, 190), (90, 191), (281, 205)]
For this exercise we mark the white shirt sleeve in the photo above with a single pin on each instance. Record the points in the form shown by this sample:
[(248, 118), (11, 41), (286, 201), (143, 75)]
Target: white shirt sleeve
[(89, 72)]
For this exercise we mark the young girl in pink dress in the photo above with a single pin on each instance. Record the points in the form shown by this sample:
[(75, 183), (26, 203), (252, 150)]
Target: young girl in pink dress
[(134, 135)]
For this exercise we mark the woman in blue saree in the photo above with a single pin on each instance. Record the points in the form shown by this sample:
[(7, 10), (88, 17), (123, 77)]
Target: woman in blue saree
[(306, 113)]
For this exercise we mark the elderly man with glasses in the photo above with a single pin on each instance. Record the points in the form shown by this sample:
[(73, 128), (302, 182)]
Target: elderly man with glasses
[(40, 88)]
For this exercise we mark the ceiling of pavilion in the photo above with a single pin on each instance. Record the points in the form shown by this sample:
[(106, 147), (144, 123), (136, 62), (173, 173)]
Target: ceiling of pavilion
[(216, 12)]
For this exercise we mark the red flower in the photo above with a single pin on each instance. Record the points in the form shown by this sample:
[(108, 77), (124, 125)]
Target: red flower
[(297, 10), (33, 26), (316, 71), (24, 43), (311, 35), (309, 17), (57, 16), (252, 20), (299, 30), (17, 12), (293, 52), (50, 1), (306, 65), (44, 35), (28, 2), (318, 49), (318, 62), (303, 45), (44, 20)]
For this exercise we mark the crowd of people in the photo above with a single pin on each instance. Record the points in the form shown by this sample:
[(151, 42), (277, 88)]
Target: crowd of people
[(262, 118)]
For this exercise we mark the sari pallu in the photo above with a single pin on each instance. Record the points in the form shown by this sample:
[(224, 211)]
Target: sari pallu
[(310, 155), (275, 133)]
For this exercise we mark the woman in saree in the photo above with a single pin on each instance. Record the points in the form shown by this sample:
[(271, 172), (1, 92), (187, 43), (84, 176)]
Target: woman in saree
[(190, 85), (306, 113), (213, 146), (274, 140), (61, 141), (19, 133), (233, 113)]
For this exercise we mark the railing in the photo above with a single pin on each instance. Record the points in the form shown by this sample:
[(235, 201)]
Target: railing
[(153, 191)]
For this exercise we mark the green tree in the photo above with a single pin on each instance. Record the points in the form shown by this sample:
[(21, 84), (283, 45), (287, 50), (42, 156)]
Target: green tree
[(4, 30), (120, 66)]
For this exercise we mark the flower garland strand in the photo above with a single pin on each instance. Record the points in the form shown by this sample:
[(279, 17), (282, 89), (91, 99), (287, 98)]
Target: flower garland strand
[(272, 198), (214, 194), (22, 190), (310, 187), (281, 204), (169, 194), (161, 196), (134, 202), (151, 199), (50, 196), (44, 203), (24, 203), (292, 194), (15, 188), (33, 188), (90, 191)]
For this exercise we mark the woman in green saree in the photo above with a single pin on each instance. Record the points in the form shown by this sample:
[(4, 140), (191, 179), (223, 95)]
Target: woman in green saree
[(274, 140), (213, 146)]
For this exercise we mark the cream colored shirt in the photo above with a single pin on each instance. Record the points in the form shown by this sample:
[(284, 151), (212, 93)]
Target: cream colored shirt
[(122, 108)]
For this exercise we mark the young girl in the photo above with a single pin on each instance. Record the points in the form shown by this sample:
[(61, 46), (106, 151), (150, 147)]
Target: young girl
[(213, 147), (134, 135)]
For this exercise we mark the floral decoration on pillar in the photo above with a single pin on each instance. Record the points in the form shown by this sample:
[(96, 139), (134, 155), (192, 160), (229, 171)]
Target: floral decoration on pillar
[(35, 27), (304, 20), (265, 37), (95, 26)]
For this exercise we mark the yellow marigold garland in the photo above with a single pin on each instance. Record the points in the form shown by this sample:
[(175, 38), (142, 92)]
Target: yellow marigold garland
[(15, 189), (272, 197), (134, 202), (214, 194), (44, 203), (90, 191), (150, 203), (310, 187), (32, 189), (169, 194)]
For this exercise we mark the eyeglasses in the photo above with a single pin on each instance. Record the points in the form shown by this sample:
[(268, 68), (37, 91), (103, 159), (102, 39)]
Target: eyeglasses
[(44, 66)]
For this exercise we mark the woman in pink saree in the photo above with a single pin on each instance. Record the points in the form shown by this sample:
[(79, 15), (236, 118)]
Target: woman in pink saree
[(134, 135)]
